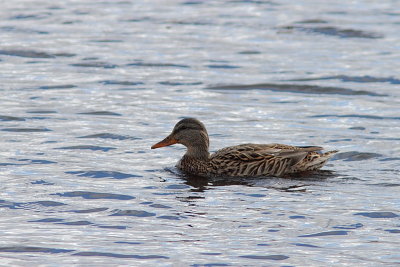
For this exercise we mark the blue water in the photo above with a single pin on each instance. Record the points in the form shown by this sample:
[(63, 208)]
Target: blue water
[(87, 87)]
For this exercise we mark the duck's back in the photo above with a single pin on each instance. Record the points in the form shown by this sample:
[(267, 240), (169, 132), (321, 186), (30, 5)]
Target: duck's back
[(264, 160)]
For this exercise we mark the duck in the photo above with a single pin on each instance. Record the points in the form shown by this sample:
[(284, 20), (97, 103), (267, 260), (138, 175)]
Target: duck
[(245, 160)]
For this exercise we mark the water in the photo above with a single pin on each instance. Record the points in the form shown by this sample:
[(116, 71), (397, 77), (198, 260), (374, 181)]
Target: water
[(87, 87)]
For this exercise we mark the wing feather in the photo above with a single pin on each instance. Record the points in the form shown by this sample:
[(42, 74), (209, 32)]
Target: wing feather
[(255, 159)]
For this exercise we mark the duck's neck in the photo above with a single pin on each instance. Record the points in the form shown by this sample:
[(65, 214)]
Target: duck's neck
[(199, 152)]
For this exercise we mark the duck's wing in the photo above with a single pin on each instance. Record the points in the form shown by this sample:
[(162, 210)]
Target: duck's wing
[(274, 149), (258, 159)]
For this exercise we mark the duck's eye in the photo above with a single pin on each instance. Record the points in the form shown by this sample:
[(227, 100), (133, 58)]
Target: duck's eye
[(181, 128), (184, 127)]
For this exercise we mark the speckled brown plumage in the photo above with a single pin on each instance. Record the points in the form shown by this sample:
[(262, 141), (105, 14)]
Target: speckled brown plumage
[(243, 160)]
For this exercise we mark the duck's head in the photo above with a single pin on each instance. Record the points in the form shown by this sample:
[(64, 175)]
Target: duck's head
[(189, 132)]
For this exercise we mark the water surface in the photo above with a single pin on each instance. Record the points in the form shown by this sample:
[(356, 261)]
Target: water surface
[(87, 87)]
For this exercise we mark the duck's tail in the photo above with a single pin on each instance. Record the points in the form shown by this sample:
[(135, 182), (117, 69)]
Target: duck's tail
[(313, 161), (320, 161), (329, 154)]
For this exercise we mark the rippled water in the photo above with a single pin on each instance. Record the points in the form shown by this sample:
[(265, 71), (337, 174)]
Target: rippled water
[(87, 87)]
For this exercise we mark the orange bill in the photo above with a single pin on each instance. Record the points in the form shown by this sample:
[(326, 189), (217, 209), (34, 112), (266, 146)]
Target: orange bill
[(166, 142)]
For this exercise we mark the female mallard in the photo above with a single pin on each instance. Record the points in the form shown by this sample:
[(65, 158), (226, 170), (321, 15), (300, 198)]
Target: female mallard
[(242, 160)]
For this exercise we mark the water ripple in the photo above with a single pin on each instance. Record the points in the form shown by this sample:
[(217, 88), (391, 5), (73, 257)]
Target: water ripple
[(42, 111), (49, 220), (26, 53), (159, 206), (372, 117), (378, 214), (111, 136), (90, 210), (103, 174), (102, 113), (267, 257), (103, 65), (23, 249), (169, 83), (386, 184), (47, 203), (38, 16), (334, 31), (26, 130), (77, 223), (158, 65), (135, 213), (10, 118), (119, 227), (326, 234), (305, 245), (114, 82), (38, 161), (294, 88), (21, 30), (94, 195), (223, 66), (107, 41), (349, 226), (169, 217), (52, 87), (357, 79), (249, 52), (88, 147), (42, 182), (32, 54), (36, 205), (356, 156), (393, 231), (115, 255)]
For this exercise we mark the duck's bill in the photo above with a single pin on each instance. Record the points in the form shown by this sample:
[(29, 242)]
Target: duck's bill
[(166, 142)]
